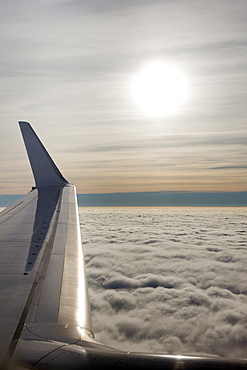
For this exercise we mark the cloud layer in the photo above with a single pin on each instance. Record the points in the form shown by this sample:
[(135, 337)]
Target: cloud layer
[(168, 279)]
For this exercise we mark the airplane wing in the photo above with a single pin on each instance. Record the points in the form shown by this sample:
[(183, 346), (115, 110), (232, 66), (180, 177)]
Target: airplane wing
[(45, 320)]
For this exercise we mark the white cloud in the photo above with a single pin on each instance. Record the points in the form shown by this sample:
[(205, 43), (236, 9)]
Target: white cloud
[(167, 280)]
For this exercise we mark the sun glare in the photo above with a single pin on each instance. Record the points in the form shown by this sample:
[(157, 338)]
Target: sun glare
[(159, 89)]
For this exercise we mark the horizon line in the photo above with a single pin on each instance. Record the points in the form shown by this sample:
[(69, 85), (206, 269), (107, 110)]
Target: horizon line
[(153, 199)]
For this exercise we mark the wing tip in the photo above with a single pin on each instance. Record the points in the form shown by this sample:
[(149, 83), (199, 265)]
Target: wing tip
[(24, 123), (45, 171)]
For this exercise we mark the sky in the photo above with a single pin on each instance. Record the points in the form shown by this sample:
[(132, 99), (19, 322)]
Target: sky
[(168, 279), (68, 68)]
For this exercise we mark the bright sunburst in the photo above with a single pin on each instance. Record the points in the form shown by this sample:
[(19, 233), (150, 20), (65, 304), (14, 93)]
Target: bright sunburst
[(159, 89)]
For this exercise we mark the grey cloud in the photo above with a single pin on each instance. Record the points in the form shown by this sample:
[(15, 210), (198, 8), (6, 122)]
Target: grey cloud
[(121, 303), (231, 317), (225, 258), (153, 281), (228, 167), (219, 292), (169, 141)]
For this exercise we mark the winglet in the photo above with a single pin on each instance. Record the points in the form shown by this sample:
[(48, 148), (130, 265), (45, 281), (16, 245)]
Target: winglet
[(45, 171)]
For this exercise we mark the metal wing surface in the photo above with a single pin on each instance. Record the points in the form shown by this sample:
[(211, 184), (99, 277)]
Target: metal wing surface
[(42, 276), (45, 320)]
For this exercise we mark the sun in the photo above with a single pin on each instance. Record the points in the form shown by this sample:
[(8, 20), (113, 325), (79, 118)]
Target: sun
[(159, 89)]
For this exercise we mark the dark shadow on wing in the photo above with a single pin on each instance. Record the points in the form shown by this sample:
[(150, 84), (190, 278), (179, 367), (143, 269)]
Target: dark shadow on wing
[(46, 205)]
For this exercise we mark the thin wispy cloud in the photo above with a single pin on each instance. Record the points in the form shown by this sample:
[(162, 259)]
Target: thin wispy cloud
[(68, 69)]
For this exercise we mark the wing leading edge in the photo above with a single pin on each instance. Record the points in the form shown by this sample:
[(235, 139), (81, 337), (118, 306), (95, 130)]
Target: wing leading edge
[(45, 319)]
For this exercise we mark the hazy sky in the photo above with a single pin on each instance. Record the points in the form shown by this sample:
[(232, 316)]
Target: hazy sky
[(67, 67)]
